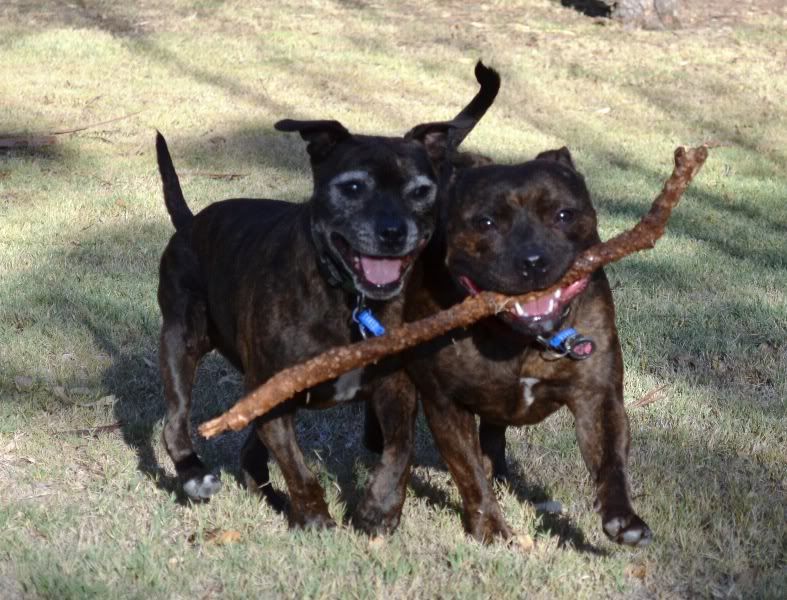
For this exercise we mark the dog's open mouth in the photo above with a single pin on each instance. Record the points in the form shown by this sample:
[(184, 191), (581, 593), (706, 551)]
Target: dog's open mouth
[(539, 316), (379, 272)]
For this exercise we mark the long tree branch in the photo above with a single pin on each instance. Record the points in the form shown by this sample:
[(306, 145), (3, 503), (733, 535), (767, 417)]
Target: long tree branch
[(337, 361)]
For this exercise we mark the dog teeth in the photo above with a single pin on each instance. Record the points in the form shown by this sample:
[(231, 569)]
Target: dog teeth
[(551, 305), (557, 294), (519, 309)]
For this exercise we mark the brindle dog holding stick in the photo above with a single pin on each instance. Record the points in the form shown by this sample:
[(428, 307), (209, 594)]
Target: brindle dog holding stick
[(516, 229)]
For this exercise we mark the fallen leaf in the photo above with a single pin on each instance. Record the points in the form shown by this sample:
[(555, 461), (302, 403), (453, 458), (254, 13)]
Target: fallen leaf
[(522, 542), (637, 570), (221, 537), (376, 543)]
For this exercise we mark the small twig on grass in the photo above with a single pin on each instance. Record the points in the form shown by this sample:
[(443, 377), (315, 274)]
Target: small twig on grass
[(92, 125), (92, 431), (650, 397), (39, 140), (229, 176), (337, 361)]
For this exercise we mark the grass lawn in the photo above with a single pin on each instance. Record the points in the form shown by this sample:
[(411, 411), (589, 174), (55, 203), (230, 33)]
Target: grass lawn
[(703, 318)]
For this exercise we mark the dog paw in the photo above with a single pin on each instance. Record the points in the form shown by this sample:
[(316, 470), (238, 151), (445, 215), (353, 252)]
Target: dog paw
[(312, 521), (202, 487), (374, 520), (628, 530), (487, 525)]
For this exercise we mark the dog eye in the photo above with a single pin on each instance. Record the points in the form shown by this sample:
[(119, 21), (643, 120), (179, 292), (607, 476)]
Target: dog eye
[(565, 216), (483, 223), (422, 191), (352, 188)]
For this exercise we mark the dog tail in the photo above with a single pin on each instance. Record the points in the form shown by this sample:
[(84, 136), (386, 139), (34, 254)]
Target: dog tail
[(177, 208), (468, 118), (470, 115)]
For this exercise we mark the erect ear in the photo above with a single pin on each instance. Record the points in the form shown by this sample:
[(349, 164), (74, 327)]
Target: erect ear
[(443, 137), (561, 155), (321, 135)]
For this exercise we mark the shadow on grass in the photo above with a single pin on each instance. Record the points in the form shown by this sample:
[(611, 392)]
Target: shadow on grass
[(590, 8)]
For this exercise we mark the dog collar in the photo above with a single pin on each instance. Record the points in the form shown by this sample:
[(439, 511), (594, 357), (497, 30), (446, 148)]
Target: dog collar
[(366, 321), (568, 342)]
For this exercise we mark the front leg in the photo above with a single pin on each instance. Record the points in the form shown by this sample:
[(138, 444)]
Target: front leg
[(456, 435), (307, 502), (603, 435), (391, 411)]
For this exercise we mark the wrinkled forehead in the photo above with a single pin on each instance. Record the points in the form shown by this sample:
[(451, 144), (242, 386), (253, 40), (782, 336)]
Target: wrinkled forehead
[(528, 185), (391, 162)]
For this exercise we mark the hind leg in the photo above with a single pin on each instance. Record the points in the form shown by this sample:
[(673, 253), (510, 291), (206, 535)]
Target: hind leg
[(255, 473), (372, 431), (184, 341), (493, 447)]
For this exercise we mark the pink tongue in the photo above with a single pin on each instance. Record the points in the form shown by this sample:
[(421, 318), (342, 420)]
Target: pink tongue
[(381, 271)]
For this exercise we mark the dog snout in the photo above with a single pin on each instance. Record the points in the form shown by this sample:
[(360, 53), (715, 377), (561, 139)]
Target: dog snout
[(391, 231)]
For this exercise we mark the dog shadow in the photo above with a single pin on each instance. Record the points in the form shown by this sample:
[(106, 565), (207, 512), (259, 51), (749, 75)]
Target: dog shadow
[(554, 524)]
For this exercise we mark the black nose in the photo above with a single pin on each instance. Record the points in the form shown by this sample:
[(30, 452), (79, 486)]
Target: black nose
[(532, 262), (391, 231)]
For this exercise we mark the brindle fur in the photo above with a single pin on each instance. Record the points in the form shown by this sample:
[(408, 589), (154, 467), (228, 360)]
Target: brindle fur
[(244, 277), (480, 370)]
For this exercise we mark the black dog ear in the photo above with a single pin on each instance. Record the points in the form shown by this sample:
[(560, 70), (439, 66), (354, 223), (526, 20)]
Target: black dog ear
[(443, 137), (561, 155), (321, 135)]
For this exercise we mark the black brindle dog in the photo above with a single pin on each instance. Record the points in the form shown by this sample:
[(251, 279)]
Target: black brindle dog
[(270, 284), (516, 229)]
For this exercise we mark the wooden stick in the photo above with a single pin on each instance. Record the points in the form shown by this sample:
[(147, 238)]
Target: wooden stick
[(337, 361)]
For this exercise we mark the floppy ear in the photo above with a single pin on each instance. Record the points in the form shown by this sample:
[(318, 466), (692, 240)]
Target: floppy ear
[(321, 135), (443, 137), (561, 155)]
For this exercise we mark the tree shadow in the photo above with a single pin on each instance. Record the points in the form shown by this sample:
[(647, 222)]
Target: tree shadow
[(589, 8)]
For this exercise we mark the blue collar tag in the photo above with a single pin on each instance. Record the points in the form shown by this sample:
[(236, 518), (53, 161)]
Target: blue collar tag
[(368, 323), (571, 343)]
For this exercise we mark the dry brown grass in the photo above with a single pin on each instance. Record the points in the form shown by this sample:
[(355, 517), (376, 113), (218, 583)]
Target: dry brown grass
[(82, 225)]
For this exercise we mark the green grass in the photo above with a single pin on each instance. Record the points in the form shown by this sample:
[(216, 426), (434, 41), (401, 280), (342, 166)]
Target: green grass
[(82, 225)]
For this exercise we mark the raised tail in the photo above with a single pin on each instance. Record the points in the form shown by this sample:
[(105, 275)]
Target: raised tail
[(463, 123), (178, 211), (468, 118)]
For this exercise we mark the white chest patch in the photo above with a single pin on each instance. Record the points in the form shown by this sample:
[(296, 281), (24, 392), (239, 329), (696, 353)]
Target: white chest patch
[(527, 389), (347, 386)]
